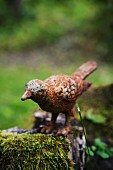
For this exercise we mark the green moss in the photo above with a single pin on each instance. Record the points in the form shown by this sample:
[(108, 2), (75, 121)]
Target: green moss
[(38, 151)]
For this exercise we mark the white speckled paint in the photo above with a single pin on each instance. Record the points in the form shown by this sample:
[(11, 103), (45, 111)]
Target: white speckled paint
[(34, 86)]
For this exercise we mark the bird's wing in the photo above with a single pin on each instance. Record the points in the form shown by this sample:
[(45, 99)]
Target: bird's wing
[(68, 89)]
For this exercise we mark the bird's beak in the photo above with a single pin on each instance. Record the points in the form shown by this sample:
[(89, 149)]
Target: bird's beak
[(26, 95)]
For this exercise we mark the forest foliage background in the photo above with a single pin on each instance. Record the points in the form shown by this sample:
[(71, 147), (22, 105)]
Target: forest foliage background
[(41, 38)]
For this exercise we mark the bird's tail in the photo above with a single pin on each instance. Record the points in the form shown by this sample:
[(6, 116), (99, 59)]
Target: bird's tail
[(85, 70)]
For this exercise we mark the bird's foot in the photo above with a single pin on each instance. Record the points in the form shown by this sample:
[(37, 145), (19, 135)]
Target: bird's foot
[(65, 131), (47, 129)]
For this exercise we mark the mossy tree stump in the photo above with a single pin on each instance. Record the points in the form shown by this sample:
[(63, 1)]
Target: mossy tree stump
[(34, 152)]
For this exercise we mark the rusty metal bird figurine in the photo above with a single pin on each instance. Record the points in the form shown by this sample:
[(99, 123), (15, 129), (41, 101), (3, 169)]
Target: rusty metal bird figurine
[(58, 94)]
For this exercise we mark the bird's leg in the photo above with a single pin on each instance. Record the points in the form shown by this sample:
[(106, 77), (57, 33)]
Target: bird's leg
[(66, 130), (49, 127)]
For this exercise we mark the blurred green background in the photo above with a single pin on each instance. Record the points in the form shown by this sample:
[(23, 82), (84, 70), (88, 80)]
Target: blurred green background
[(41, 38)]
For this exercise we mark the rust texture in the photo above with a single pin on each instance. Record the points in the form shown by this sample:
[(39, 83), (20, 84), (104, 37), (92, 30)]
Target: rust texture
[(58, 94)]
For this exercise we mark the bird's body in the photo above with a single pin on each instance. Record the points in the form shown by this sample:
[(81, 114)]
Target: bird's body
[(58, 94)]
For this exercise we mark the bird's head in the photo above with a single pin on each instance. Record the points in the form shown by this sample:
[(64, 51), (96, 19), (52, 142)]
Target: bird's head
[(32, 88)]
